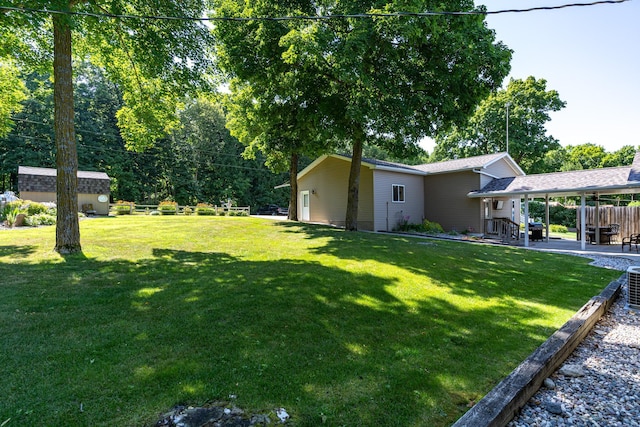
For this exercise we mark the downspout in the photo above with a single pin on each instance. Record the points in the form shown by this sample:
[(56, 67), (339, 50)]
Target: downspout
[(387, 215)]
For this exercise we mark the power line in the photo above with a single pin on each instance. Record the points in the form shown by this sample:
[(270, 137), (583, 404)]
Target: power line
[(308, 17)]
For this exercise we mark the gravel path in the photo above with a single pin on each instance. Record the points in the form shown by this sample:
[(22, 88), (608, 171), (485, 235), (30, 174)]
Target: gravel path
[(599, 384)]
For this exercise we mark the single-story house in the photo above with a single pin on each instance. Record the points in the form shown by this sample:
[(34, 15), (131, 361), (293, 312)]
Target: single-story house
[(39, 185), (391, 193), (477, 194)]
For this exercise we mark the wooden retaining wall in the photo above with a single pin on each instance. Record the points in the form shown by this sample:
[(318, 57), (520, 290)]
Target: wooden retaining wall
[(502, 403)]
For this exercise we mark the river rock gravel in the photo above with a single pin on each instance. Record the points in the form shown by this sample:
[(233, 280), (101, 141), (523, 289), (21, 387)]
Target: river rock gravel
[(608, 394)]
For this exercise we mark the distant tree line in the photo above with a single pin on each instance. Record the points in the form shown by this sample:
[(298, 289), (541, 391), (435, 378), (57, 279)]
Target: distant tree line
[(198, 162)]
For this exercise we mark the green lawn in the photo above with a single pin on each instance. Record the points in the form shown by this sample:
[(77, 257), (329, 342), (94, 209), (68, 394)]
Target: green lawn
[(352, 329)]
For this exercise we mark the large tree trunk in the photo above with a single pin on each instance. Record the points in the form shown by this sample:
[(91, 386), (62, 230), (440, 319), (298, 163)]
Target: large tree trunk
[(293, 181), (351, 221), (67, 226)]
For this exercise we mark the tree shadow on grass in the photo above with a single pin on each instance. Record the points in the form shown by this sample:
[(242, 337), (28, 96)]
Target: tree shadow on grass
[(127, 340), (14, 251), (471, 269)]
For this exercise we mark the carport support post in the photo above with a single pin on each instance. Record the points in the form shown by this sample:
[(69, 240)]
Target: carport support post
[(583, 219), (546, 217), (597, 196), (526, 220)]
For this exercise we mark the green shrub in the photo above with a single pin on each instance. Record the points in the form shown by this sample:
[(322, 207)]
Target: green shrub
[(427, 227), (635, 203), (557, 228), (242, 213), (168, 207), (11, 215), (40, 219), (432, 227), (558, 214), (205, 209), (9, 208), (122, 208), (35, 208), (187, 210)]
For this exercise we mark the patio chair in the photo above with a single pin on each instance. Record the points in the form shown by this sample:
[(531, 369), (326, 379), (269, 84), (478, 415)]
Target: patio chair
[(634, 239), (611, 235)]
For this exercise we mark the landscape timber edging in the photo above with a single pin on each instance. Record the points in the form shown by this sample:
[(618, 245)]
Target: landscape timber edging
[(502, 403)]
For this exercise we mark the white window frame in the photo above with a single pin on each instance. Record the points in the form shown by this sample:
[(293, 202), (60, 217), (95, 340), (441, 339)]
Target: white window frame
[(398, 192)]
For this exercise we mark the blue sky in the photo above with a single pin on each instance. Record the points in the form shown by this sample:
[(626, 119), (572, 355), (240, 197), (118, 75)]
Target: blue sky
[(590, 55)]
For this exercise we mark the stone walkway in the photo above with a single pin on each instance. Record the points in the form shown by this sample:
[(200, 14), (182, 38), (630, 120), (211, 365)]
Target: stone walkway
[(599, 384)]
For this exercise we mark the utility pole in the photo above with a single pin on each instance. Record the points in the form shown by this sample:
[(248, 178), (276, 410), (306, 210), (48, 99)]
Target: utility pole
[(508, 104)]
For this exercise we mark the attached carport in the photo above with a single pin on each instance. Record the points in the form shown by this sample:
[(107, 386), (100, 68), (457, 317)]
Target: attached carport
[(584, 183)]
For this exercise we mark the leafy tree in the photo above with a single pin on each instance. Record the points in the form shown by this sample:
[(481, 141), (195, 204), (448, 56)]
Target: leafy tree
[(385, 81), (30, 141), (587, 156), (152, 60), (12, 92), (412, 156), (212, 164), (199, 162), (622, 157), (529, 105), (274, 102)]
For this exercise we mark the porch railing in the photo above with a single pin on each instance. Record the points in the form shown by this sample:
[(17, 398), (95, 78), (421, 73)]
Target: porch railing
[(502, 228)]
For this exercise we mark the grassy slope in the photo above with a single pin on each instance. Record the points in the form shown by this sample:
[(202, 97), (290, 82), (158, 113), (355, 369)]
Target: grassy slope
[(353, 328)]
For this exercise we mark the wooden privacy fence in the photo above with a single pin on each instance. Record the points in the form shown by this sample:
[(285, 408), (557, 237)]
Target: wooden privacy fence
[(628, 217)]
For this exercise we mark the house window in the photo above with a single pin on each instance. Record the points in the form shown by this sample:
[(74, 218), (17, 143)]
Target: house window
[(397, 191)]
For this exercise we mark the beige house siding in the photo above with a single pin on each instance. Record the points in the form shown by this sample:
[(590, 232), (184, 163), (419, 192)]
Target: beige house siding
[(389, 214), (501, 169), (446, 201), (484, 180), (327, 184), (506, 210)]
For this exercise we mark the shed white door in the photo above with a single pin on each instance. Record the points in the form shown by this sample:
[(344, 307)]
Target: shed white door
[(304, 201)]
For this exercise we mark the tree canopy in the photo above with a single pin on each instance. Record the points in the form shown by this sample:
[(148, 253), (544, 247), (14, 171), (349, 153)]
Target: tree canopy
[(12, 93), (153, 61), (587, 156), (385, 81), (198, 162), (529, 104)]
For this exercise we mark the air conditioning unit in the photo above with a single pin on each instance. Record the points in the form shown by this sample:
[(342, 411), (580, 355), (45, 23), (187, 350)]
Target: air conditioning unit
[(633, 287)]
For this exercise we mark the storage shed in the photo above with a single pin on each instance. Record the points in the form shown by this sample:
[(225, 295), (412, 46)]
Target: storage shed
[(39, 185)]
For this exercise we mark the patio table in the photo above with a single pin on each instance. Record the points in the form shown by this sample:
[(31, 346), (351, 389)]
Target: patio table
[(604, 237)]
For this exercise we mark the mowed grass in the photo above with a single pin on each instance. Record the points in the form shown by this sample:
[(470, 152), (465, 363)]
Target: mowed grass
[(339, 328)]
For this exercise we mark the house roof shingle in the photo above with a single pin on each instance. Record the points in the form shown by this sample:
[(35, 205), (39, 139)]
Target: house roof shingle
[(603, 181), (456, 165)]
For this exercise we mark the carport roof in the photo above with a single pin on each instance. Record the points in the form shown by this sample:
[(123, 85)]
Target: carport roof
[(618, 180)]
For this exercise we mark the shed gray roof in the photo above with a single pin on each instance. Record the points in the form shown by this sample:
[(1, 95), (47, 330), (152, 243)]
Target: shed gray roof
[(29, 170), (32, 179)]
